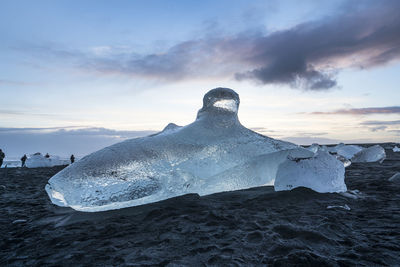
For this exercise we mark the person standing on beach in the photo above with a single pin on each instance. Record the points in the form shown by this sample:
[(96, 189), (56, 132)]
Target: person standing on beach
[(2, 156), (72, 158), (23, 159), (47, 156)]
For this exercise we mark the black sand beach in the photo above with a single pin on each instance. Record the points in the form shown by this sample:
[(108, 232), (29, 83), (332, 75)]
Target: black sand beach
[(249, 227)]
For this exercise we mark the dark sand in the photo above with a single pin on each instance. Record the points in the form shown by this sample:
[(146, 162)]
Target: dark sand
[(249, 227)]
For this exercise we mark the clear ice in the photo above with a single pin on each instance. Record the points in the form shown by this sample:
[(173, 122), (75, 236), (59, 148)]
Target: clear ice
[(341, 151), (176, 161), (214, 153), (347, 151), (370, 154), (322, 173)]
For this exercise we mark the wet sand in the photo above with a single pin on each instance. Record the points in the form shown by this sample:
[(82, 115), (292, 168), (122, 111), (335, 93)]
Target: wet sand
[(248, 227)]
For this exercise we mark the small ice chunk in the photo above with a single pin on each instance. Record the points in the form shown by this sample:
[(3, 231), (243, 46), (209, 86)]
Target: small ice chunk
[(395, 177), (346, 162), (19, 221), (345, 207), (322, 173), (333, 150), (371, 154), (354, 194), (313, 148), (348, 151), (396, 149)]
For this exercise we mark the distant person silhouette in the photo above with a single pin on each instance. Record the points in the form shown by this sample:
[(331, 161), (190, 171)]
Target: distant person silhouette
[(47, 156), (23, 159), (2, 156), (72, 158)]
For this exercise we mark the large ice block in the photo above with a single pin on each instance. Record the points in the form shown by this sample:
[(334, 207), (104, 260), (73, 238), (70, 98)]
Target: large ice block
[(176, 161)]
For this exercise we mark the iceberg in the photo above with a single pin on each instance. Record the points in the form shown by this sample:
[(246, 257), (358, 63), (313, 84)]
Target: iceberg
[(371, 154), (396, 149), (322, 173), (38, 160), (196, 158)]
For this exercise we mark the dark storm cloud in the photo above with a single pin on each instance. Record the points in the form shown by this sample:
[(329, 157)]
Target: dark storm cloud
[(362, 111), (310, 54), (364, 34), (306, 56)]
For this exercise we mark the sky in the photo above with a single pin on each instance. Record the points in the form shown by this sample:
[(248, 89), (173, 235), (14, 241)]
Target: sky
[(76, 76)]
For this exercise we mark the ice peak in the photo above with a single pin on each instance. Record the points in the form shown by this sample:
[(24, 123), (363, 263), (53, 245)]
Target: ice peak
[(220, 101)]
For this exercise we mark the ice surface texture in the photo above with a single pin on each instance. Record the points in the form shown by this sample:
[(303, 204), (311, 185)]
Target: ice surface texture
[(322, 173), (202, 157), (396, 149)]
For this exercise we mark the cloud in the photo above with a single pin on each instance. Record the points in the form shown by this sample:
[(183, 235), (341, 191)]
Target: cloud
[(10, 112), (24, 113), (361, 111), (262, 129), (396, 132), (12, 83), (77, 130), (99, 131), (308, 140), (378, 128), (381, 122), (308, 56), (62, 141), (311, 134)]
